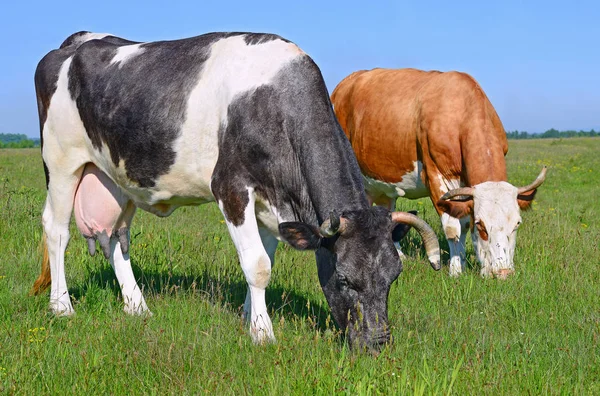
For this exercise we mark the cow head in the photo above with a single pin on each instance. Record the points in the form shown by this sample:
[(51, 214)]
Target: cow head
[(495, 216), (357, 263)]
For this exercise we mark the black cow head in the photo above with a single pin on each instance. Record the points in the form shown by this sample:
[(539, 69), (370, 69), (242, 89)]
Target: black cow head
[(357, 263)]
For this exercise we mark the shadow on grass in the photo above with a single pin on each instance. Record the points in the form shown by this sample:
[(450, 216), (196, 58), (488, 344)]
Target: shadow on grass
[(223, 290)]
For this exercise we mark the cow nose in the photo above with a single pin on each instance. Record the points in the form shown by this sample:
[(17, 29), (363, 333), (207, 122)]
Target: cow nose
[(378, 341), (504, 273)]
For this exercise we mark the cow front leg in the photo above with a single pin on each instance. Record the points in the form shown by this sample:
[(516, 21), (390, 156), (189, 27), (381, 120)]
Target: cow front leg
[(254, 259), (270, 243), (455, 231)]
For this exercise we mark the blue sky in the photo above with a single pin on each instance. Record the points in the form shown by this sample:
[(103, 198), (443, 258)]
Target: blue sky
[(538, 61)]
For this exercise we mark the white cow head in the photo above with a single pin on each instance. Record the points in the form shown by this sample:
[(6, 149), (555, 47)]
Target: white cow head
[(495, 216)]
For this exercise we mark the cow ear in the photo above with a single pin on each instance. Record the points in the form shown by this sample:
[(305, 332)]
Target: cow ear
[(400, 230), (525, 199), (300, 235), (456, 209)]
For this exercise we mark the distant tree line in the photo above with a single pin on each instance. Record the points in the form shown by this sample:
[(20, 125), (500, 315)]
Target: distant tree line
[(14, 140), (551, 133)]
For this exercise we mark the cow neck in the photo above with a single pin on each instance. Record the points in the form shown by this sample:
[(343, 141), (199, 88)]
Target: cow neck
[(331, 175), (483, 154)]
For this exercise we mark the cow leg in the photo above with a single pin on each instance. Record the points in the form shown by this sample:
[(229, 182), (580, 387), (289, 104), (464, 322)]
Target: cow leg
[(56, 218), (254, 259), (270, 243), (455, 231), (134, 303), (132, 294)]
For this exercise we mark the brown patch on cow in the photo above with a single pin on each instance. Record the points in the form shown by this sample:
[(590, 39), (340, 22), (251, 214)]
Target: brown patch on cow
[(161, 208), (299, 237), (234, 204), (525, 199), (43, 105), (483, 234), (396, 117), (45, 278), (456, 209)]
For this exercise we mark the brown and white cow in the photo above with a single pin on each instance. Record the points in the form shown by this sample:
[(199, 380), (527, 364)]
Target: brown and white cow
[(418, 133)]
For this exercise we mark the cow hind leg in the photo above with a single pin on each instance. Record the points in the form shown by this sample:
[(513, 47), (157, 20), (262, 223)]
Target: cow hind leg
[(254, 259), (56, 218), (455, 231), (133, 299), (132, 294)]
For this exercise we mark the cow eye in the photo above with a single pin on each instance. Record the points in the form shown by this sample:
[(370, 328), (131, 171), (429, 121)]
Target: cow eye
[(518, 224), (343, 282)]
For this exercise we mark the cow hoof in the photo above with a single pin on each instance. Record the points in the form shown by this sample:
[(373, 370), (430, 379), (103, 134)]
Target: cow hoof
[(262, 334), (140, 310), (62, 308), (455, 269), (503, 274), (262, 337)]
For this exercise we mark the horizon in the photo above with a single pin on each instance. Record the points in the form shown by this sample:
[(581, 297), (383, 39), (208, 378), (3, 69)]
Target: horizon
[(534, 61)]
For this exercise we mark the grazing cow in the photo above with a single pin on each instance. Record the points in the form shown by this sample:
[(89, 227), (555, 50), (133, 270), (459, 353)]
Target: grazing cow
[(418, 133), (243, 119)]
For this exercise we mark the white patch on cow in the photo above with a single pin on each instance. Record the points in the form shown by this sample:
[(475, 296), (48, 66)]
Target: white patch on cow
[(448, 184), (456, 232), (63, 124), (233, 68), (268, 216), (126, 52), (93, 36), (495, 204), (77, 41), (256, 264), (454, 229), (132, 294), (411, 186)]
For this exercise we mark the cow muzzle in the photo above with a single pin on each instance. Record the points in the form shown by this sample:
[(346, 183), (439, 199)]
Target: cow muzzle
[(504, 273), (373, 343)]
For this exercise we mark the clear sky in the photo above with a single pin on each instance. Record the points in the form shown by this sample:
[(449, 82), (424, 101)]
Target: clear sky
[(538, 61)]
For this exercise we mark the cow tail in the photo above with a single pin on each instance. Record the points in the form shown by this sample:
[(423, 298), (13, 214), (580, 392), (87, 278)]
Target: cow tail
[(44, 280)]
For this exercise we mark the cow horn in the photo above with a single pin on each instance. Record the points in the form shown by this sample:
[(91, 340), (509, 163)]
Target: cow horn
[(432, 246), (468, 191), (333, 225), (536, 183)]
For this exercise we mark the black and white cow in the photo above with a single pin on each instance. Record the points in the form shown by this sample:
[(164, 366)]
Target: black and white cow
[(243, 119)]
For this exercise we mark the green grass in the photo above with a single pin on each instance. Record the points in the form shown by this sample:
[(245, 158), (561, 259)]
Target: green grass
[(536, 333)]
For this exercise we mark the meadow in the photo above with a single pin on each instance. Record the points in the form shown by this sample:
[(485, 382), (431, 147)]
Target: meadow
[(536, 333)]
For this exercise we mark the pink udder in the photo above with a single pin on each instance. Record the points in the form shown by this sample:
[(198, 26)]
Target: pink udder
[(98, 203)]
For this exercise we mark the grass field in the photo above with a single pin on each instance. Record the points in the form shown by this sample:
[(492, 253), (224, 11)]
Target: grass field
[(536, 333)]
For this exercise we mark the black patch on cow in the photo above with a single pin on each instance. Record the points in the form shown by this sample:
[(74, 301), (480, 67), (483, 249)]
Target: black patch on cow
[(46, 78), (261, 38), (283, 140), (137, 107)]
